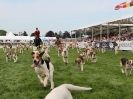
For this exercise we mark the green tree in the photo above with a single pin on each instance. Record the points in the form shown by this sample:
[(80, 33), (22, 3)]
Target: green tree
[(2, 32), (25, 33), (32, 34), (77, 34), (50, 34), (66, 34)]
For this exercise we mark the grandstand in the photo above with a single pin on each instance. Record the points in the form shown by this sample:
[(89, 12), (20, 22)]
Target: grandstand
[(115, 27)]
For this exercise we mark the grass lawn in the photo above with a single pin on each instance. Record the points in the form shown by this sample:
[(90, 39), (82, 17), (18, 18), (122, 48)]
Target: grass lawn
[(19, 81)]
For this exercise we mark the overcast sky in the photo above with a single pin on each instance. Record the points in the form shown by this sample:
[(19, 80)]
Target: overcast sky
[(56, 15)]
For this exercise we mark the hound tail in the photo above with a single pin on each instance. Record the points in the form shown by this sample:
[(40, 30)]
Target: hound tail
[(76, 88)]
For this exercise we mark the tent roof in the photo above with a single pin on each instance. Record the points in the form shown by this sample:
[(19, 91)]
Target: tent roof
[(10, 34)]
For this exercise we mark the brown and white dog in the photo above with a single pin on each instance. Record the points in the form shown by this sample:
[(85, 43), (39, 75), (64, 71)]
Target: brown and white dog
[(45, 48), (63, 91), (4, 48), (90, 54), (93, 56), (65, 55), (80, 61), (20, 48), (126, 66), (43, 68), (11, 54), (116, 49), (60, 49), (117, 46)]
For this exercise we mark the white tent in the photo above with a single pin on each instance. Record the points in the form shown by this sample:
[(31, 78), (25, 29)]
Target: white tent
[(10, 34), (10, 37)]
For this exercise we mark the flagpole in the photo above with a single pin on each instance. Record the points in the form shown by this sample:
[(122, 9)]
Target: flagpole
[(101, 30), (108, 31), (92, 33), (119, 31)]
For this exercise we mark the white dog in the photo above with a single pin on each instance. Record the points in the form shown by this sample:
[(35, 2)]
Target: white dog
[(43, 68), (63, 91)]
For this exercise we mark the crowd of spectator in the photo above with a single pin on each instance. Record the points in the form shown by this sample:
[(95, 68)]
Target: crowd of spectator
[(122, 37)]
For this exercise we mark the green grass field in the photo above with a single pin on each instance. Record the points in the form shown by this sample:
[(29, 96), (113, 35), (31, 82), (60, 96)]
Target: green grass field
[(19, 81)]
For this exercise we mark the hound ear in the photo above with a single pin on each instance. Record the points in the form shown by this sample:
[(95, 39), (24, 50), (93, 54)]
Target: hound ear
[(41, 54), (32, 53)]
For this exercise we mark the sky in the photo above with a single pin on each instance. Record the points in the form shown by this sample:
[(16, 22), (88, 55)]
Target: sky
[(25, 15)]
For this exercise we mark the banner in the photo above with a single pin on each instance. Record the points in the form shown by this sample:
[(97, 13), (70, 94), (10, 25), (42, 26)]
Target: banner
[(108, 45), (81, 44), (122, 45), (125, 45)]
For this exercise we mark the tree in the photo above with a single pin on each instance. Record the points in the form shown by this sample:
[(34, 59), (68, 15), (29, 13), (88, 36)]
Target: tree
[(60, 34), (32, 34), (66, 34), (15, 34), (55, 34), (77, 34), (25, 33), (2, 32), (50, 34)]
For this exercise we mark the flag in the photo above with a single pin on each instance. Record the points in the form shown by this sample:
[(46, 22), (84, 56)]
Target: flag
[(131, 3), (117, 7), (124, 5)]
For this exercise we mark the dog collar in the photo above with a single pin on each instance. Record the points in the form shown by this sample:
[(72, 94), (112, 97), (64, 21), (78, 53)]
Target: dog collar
[(42, 61)]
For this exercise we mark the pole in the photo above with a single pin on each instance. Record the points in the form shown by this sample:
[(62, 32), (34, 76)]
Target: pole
[(80, 35), (71, 34), (101, 30), (119, 31), (108, 31), (92, 33), (85, 31), (75, 35)]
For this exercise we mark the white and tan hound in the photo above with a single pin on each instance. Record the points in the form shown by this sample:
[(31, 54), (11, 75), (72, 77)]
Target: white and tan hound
[(63, 91), (43, 68)]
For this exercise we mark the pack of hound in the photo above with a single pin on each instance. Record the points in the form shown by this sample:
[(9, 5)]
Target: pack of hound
[(44, 70), (12, 51)]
